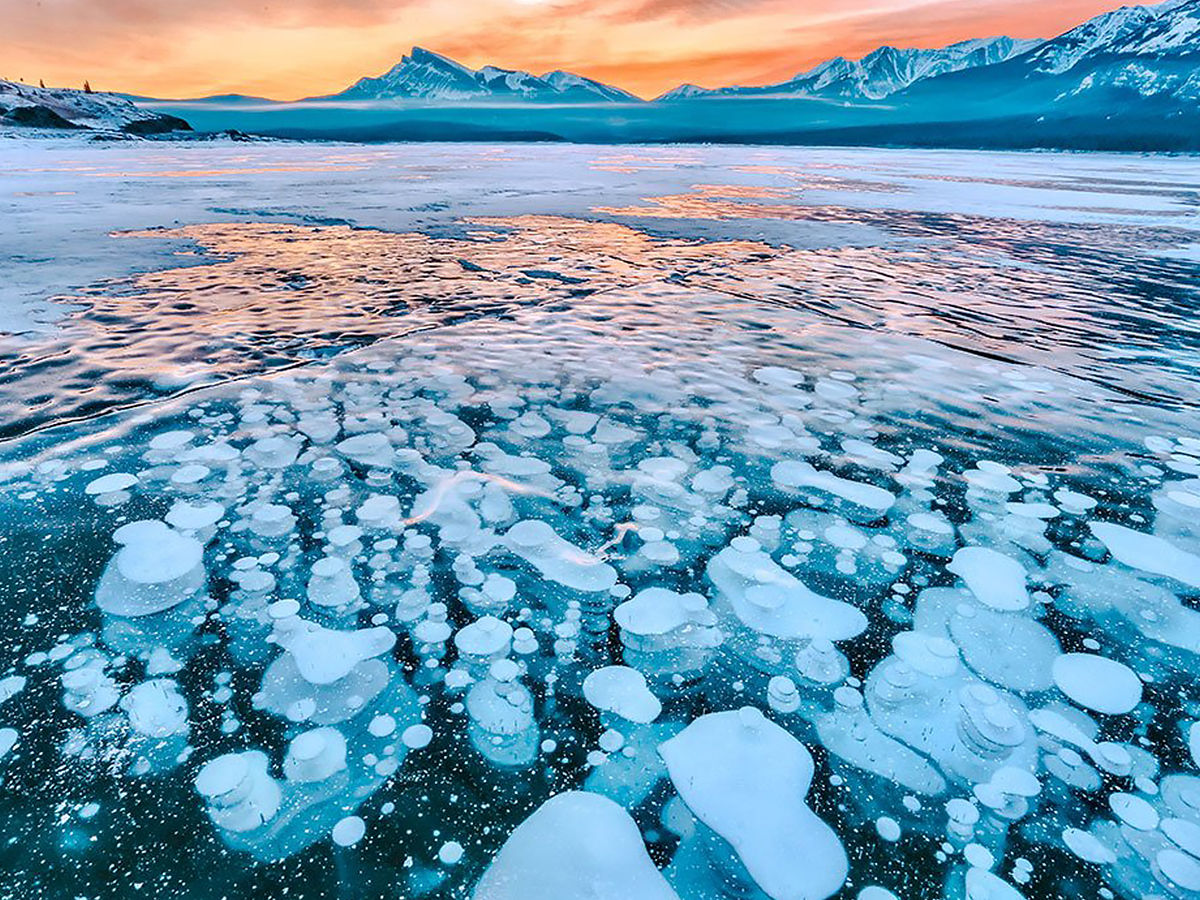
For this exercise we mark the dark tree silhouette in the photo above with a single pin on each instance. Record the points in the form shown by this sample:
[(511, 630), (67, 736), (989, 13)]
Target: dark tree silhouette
[(87, 87), (41, 82)]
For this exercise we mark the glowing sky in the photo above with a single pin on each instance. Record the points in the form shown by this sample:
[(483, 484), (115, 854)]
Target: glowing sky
[(295, 48)]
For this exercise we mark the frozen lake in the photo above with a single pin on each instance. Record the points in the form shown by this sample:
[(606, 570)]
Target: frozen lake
[(805, 523)]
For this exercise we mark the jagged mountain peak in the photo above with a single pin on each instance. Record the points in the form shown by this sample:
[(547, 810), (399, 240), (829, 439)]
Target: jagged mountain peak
[(426, 75)]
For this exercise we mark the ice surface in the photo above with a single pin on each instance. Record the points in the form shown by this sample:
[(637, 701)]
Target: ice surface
[(459, 519)]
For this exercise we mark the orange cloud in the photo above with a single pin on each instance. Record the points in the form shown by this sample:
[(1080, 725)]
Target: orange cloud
[(295, 48)]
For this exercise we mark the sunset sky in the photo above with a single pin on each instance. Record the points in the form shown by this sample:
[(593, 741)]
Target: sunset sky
[(287, 49)]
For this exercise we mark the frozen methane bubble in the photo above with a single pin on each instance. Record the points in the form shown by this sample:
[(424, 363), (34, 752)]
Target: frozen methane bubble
[(484, 640), (110, 484), (622, 690), (325, 655), (558, 560), (349, 831), (156, 708), (746, 779), (996, 580), (1098, 684), (575, 846), (371, 449), (983, 885), (772, 601), (1148, 552), (187, 516), (155, 569), (240, 793), (794, 475), (315, 755)]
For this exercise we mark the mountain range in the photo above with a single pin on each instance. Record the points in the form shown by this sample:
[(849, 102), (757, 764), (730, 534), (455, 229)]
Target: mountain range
[(875, 76), (1139, 47), (1126, 80)]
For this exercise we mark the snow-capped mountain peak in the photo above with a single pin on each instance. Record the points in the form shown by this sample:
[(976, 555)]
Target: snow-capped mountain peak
[(877, 75), (426, 75)]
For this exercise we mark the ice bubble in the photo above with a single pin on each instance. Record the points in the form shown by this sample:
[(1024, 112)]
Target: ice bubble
[(888, 828), (10, 686), (1097, 683), (240, 793), (874, 892), (575, 846), (156, 708), (8, 740), (332, 584), (657, 611), (450, 853), (1183, 834), (1133, 810), (623, 691), (557, 559), (1148, 552), (983, 885), (772, 601), (349, 831), (1087, 847), (996, 580), (325, 655), (155, 569), (276, 452), (272, 520), (746, 778), (1181, 870), (315, 755), (88, 690), (486, 637), (109, 484), (370, 449), (194, 517), (415, 737), (782, 695), (794, 475)]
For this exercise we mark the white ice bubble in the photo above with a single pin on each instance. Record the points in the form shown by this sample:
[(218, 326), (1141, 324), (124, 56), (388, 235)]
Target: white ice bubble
[(622, 690), (1096, 683), (998, 581), (746, 778), (349, 831), (1148, 552), (575, 846)]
